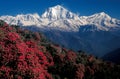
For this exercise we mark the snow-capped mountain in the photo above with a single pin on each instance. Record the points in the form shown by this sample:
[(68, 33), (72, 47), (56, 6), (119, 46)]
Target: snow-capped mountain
[(58, 12), (97, 34), (23, 20), (102, 21), (59, 18)]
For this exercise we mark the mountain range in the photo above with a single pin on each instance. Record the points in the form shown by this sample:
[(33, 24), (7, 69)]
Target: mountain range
[(97, 34)]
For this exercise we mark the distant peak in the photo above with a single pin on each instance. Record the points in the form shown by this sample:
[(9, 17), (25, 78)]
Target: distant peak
[(57, 12), (103, 13), (58, 6), (36, 15)]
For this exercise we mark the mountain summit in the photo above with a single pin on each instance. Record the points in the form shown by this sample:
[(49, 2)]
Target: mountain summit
[(58, 12), (102, 19)]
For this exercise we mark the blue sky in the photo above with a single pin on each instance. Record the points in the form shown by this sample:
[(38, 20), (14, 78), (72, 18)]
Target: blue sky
[(83, 7)]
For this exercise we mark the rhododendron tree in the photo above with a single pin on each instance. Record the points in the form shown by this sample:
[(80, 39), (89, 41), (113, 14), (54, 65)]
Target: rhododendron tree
[(23, 58), (12, 36), (80, 69), (28, 55), (71, 56)]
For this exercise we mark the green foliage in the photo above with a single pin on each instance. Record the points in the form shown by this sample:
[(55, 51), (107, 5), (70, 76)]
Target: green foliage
[(2, 22)]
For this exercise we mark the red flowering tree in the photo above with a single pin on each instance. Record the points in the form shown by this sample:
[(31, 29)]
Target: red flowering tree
[(28, 55), (80, 69), (19, 59)]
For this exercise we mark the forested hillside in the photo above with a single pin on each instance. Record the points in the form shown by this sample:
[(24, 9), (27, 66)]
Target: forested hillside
[(29, 55)]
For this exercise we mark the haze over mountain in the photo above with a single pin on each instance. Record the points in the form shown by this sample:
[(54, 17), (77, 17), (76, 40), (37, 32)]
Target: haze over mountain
[(96, 34)]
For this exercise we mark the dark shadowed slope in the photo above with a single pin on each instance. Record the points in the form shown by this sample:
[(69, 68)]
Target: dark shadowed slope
[(113, 56)]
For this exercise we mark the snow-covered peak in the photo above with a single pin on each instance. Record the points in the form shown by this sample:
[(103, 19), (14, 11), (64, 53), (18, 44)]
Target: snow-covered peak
[(101, 15), (58, 12), (58, 7), (22, 19), (102, 19), (36, 15)]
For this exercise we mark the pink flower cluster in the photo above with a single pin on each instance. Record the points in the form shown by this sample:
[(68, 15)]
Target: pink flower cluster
[(21, 57)]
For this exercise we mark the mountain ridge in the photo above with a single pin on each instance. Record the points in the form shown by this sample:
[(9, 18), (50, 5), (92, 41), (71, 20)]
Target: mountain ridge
[(62, 19)]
